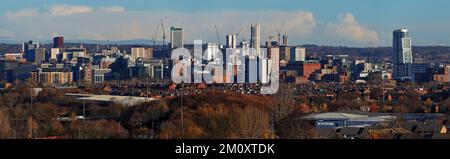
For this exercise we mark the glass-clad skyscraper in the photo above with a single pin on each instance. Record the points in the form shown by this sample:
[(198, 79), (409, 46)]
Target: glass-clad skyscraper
[(402, 53)]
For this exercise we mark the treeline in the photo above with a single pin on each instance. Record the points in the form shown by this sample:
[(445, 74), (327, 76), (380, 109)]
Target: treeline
[(51, 114), (218, 115), (213, 114)]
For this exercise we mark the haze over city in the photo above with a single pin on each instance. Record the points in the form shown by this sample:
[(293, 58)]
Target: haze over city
[(322, 22)]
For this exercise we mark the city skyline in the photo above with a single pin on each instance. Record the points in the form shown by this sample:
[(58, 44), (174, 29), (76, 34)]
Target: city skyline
[(352, 24)]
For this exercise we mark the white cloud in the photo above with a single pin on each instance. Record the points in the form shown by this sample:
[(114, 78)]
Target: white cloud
[(115, 23), (112, 9), (62, 9), (21, 13), (348, 28)]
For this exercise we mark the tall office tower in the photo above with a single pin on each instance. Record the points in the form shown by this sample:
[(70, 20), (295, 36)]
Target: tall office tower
[(285, 53), (212, 51), (231, 41), (266, 66), (54, 53), (402, 53), (30, 45), (255, 37), (298, 54), (58, 42), (176, 37), (38, 54)]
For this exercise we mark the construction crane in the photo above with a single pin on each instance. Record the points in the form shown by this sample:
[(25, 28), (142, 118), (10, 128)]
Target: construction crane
[(155, 35), (269, 43), (164, 33), (271, 37), (217, 33), (239, 32), (285, 39), (279, 33)]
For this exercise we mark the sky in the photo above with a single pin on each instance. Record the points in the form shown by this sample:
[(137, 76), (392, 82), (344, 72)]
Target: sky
[(362, 23)]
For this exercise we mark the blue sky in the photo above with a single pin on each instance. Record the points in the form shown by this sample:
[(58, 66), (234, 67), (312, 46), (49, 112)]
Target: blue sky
[(333, 22)]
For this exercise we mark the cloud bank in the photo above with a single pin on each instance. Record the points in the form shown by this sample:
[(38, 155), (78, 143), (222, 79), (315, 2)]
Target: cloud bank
[(117, 23), (347, 28)]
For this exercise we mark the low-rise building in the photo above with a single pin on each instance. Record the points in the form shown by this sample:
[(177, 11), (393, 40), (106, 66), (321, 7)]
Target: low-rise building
[(52, 76)]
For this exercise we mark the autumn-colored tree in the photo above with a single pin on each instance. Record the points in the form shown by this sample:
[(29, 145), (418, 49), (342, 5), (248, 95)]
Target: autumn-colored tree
[(52, 128), (5, 126), (11, 99), (252, 122), (74, 126), (315, 109), (295, 127), (233, 122), (104, 129), (45, 112), (169, 130), (324, 107), (32, 127), (428, 102), (373, 107), (305, 109), (50, 95), (192, 130), (284, 102), (143, 133), (113, 110), (216, 121), (145, 115)]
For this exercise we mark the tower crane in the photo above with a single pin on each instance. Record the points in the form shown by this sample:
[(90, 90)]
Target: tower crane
[(164, 33), (237, 34), (155, 35), (279, 33), (217, 33)]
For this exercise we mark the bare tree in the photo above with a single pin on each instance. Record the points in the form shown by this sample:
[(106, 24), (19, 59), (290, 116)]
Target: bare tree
[(5, 126), (283, 102)]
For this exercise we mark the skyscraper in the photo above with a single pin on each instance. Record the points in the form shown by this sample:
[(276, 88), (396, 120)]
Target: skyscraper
[(212, 51), (231, 41), (36, 56), (298, 54), (176, 37), (255, 37), (58, 42), (54, 53), (30, 45), (402, 53)]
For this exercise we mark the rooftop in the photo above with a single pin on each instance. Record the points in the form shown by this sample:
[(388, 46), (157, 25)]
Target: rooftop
[(125, 100)]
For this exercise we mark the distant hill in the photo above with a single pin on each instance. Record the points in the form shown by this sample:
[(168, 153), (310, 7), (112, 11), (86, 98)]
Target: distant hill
[(90, 41), (426, 54)]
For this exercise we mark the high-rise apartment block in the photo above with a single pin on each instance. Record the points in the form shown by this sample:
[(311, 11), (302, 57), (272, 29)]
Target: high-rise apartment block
[(255, 37), (176, 37), (58, 42), (402, 53)]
